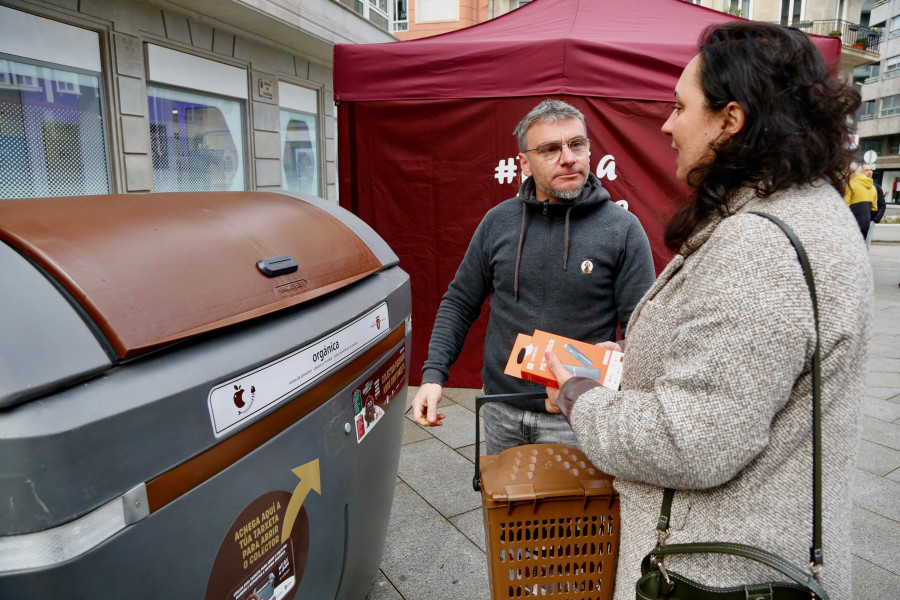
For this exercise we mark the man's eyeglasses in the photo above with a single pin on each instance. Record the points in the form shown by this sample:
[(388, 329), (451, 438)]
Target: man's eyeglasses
[(551, 151)]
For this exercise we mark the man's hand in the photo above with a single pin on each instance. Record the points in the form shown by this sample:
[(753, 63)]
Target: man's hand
[(424, 405)]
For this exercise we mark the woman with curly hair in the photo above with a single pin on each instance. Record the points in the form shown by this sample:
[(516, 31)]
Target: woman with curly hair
[(715, 400)]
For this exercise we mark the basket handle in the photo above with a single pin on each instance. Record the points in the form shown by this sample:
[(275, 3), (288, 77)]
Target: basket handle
[(481, 401)]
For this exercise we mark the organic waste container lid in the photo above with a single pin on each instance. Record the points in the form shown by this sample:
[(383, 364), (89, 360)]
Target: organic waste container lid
[(152, 269)]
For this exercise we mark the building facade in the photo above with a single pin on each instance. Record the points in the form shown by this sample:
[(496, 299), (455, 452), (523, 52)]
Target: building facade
[(414, 19), (879, 117), (120, 96)]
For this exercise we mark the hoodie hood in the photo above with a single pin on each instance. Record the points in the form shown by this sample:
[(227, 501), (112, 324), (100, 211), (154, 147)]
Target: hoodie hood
[(591, 195), (860, 180)]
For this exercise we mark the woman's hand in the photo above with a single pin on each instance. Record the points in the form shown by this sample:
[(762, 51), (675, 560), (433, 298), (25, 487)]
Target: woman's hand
[(561, 375)]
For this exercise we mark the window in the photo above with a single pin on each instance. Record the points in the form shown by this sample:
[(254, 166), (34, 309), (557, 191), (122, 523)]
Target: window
[(867, 74), (740, 8), (52, 128), (378, 13), (894, 147), (434, 11), (890, 106), (401, 18), (867, 110), (51, 143), (196, 141), (874, 145), (895, 27), (196, 137), (299, 139), (791, 11), (892, 67)]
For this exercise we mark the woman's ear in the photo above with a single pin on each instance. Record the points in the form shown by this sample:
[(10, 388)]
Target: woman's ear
[(734, 118)]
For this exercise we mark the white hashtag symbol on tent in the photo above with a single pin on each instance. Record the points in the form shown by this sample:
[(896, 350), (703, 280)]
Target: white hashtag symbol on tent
[(505, 171)]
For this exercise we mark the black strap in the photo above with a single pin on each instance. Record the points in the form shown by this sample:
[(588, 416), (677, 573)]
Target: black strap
[(769, 559), (815, 551), (481, 401)]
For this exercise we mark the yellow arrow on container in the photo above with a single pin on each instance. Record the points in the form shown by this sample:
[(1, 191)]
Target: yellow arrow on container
[(309, 480)]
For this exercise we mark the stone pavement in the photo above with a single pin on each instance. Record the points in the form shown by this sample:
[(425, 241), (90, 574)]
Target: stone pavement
[(435, 543)]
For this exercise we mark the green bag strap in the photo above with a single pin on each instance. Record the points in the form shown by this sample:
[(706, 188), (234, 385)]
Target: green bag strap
[(815, 551)]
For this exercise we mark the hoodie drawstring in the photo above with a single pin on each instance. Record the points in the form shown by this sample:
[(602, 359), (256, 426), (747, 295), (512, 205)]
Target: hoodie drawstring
[(519, 251), (522, 242)]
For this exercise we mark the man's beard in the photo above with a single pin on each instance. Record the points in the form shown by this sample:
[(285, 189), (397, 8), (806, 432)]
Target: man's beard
[(562, 194)]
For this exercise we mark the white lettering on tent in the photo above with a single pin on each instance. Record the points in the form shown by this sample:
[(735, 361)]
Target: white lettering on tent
[(607, 167), (623, 203), (505, 172)]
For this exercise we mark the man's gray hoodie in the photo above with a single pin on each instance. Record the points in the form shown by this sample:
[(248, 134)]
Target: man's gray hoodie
[(576, 269)]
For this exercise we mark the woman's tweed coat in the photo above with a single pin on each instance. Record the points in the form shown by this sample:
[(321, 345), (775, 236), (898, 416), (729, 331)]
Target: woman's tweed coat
[(716, 393)]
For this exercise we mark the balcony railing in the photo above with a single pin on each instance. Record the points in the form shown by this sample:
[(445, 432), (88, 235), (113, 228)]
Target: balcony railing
[(852, 34)]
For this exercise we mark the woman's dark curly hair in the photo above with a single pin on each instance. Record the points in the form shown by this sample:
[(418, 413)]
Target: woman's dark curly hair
[(795, 128)]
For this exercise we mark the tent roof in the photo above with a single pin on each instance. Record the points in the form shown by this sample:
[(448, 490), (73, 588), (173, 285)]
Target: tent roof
[(602, 48)]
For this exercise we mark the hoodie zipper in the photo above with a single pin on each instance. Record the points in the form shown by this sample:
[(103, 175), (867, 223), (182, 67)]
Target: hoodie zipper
[(546, 204)]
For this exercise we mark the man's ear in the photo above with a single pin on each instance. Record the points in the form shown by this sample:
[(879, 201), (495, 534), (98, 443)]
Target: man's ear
[(526, 168), (734, 118)]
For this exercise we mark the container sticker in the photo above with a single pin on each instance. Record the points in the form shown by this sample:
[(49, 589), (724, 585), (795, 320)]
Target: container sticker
[(253, 563), (264, 553), (372, 398), (241, 399)]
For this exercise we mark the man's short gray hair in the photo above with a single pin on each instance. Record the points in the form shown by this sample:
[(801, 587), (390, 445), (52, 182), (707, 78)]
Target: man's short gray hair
[(548, 111)]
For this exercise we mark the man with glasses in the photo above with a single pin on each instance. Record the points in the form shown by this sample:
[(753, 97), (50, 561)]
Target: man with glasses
[(560, 257)]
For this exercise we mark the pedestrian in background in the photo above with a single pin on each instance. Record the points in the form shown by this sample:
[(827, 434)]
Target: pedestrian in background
[(716, 390), (860, 196), (879, 207)]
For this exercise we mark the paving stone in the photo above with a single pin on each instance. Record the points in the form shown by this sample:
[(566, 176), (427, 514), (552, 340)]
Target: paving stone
[(884, 350), (876, 494), (382, 589), (464, 396), (458, 427), (883, 380), (871, 581), (426, 557), (875, 540), (892, 341), (472, 525), (440, 475), (876, 458), (445, 400), (894, 475), (884, 365), (883, 393), (883, 410), (414, 433), (469, 451), (880, 432), (411, 393)]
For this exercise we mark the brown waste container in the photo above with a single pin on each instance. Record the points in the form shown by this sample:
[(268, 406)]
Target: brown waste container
[(551, 520)]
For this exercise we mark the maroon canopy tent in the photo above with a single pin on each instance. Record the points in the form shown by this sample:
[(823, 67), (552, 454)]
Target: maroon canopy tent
[(425, 144)]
